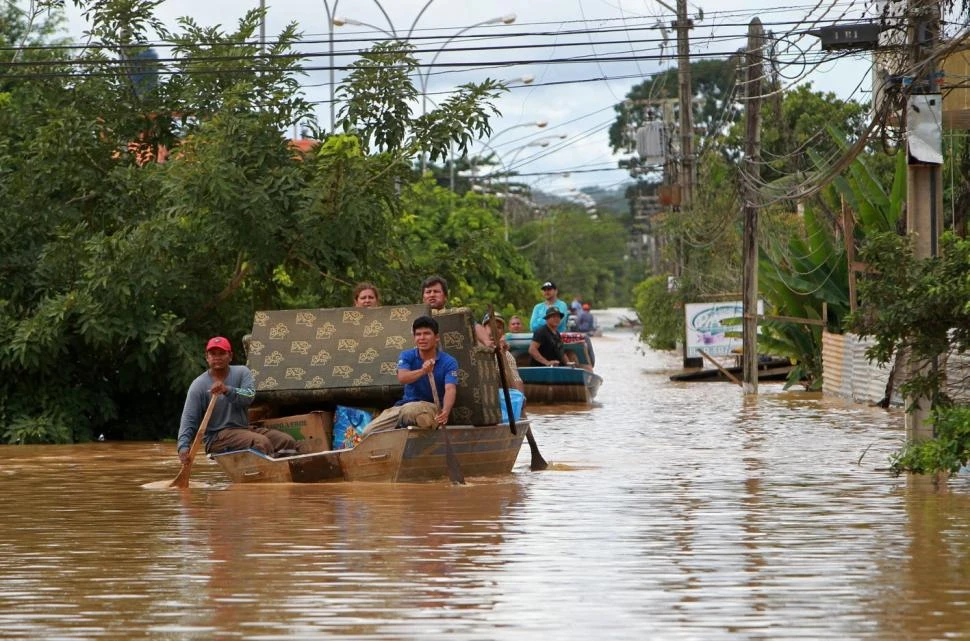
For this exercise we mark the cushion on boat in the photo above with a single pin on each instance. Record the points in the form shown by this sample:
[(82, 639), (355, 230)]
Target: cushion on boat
[(345, 355), (476, 402), (348, 356)]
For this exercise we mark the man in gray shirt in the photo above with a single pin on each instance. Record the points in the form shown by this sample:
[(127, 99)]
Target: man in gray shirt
[(228, 427)]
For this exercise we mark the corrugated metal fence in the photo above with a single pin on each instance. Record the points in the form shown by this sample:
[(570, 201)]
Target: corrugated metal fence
[(847, 373)]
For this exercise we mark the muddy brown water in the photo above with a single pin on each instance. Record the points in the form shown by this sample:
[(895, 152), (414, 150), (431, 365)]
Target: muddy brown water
[(671, 511)]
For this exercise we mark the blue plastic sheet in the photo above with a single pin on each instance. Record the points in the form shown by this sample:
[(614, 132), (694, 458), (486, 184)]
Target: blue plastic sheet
[(348, 425), (518, 401)]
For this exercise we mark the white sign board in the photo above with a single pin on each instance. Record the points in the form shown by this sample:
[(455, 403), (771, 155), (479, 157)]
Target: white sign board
[(706, 330)]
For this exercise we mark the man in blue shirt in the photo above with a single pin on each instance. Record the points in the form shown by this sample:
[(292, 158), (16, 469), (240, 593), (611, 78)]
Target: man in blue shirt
[(413, 366), (551, 295)]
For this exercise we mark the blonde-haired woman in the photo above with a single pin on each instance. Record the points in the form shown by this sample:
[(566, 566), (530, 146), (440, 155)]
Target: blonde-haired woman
[(366, 295)]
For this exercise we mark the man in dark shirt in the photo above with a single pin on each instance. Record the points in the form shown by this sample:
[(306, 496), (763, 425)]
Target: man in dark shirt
[(546, 345)]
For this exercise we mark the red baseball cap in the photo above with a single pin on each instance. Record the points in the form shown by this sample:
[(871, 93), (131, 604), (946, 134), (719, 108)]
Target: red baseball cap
[(218, 343)]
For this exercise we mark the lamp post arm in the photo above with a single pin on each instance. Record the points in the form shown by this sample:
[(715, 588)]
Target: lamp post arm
[(390, 34), (417, 18), (538, 123), (331, 14), (393, 32), (423, 77), (427, 71)]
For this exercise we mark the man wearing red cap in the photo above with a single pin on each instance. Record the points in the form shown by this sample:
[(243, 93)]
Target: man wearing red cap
[(228, 427), (585, 322)]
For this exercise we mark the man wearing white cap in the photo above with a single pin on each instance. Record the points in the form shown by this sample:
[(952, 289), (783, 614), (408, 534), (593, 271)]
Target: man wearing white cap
[(551, 294)]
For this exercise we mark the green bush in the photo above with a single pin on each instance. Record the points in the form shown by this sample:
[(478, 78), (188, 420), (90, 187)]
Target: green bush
[(660, 311), (946, 453)]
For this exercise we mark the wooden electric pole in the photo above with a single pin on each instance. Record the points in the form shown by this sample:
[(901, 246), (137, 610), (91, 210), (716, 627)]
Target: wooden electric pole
[(686, 95), (754, 74), (924, 184)]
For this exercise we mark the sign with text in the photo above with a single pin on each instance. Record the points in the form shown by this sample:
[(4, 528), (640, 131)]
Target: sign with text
[(707, 329)]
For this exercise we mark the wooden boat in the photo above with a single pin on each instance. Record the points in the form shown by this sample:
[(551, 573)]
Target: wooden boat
[(557, 384), (307, 362), (771, 369), (402, 455)]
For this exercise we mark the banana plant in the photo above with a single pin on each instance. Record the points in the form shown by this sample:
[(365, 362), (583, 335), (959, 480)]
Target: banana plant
[(798, 275)]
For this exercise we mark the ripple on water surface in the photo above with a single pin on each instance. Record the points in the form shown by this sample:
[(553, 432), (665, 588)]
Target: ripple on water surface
[(670, 511)]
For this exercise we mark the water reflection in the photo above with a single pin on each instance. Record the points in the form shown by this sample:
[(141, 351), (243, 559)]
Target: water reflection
[(671, 511)]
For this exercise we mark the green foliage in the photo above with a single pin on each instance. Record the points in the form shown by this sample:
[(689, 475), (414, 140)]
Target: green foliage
[(378, 94), (797, 276), (802, 264), (584, 255), (946, 453), (117, 268), (459, 238), (915, 306), (661, 312), (794, 129)]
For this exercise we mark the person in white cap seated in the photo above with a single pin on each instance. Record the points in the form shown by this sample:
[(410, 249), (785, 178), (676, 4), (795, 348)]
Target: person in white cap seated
[(551, 295), (515, 381)]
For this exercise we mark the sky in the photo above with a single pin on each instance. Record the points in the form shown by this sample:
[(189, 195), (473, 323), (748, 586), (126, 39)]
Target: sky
[(584, 57)]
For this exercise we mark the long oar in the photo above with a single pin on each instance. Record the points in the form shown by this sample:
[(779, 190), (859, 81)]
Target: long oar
[(182, 480), (538, 463), (454, 469)]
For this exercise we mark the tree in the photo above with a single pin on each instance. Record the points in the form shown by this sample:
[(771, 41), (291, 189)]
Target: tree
[(796, 127), (117, 268), (461, 239), (711, 80), (582, 254)]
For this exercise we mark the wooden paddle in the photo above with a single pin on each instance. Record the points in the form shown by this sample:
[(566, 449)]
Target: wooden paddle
[(538, 463), (454, 469), (182, 480)]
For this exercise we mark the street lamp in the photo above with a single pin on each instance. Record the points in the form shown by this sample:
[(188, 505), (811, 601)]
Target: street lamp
[(535, 123), (506, 19), (506, 168), (541, 124), (422, 77), (331, 22), (334, 21), (393, 32)]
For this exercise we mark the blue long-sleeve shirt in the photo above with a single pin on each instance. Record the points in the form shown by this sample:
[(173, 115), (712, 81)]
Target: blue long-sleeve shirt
[(539, 315), (231, 410)]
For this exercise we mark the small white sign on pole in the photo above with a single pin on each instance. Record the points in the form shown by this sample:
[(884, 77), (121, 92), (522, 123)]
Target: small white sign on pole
[(707, 331)]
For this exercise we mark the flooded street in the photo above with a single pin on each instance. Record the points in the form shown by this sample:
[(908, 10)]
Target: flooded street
[(671, 511)]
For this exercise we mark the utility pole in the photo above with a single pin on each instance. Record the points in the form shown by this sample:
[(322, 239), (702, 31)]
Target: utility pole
[(754, 74), (262, 27), (683, 24), (924, 184)]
